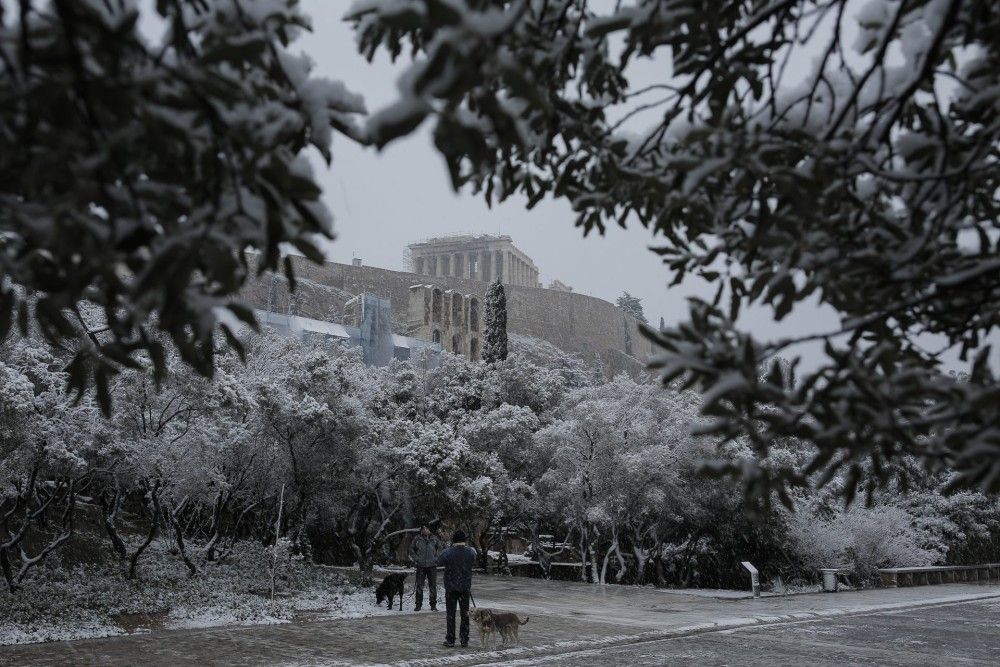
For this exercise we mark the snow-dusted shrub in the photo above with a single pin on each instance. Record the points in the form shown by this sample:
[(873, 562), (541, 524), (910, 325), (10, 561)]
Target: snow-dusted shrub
[(862, 538), (94, 600), (574, 370), (967, 523)]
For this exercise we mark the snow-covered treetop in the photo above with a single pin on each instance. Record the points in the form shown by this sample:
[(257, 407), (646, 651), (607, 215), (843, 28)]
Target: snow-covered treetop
[(631, 305)]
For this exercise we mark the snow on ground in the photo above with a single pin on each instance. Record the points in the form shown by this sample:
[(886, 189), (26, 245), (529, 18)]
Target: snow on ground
[(512, 559), (41, 631), (83, 601)]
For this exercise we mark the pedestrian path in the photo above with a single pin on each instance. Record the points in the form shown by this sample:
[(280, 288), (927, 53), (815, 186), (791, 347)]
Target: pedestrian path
[(565, 617)]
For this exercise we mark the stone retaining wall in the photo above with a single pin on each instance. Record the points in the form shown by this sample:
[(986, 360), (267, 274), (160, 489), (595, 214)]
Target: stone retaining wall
[(576, 323)]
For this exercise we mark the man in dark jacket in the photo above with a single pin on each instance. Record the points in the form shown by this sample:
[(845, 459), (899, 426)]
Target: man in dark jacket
[(457, 561), (423, 555)]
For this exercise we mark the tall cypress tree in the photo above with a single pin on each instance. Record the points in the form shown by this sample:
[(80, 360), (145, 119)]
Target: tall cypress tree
[(495, 324)]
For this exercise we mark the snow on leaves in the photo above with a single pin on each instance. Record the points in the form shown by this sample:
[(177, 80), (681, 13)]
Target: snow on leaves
[(139, 170)]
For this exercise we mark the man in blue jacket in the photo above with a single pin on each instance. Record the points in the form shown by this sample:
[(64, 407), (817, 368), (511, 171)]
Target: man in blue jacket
[(457, 560)]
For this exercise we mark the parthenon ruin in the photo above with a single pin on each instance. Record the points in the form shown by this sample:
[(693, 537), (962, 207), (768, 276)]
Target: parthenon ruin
[(484, 258)]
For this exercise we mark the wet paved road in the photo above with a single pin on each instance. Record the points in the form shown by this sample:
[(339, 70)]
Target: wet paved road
[(958, 634), (581, 624)]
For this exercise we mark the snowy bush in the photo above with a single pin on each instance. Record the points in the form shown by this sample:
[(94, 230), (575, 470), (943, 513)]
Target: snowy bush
[(862, 539), (94, 600)]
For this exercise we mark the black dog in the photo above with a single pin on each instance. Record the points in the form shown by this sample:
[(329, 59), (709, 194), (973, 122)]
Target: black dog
[(390, 587)]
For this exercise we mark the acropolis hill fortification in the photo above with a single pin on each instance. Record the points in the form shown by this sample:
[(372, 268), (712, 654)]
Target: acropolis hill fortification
[(444, 294)]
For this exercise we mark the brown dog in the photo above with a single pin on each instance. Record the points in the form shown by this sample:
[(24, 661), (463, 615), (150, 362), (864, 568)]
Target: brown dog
[(483, 618), (507, 623), (493, 622)]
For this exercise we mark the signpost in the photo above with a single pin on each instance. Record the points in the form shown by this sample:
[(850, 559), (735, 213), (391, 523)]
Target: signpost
[(754, 578)]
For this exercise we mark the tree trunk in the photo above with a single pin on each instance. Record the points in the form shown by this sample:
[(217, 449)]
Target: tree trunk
[(67, 489), (215, 531), (622, 567), (365, 565), (179, 538), (641, 556), (484, 546), (502, 564), (173, 515), (592, 552), (153, 507), (109, 514), (615, 550), (661, 575), (277, 537)]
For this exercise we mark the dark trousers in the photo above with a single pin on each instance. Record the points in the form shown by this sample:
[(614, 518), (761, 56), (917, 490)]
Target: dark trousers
[(430, 575), (451, 600)]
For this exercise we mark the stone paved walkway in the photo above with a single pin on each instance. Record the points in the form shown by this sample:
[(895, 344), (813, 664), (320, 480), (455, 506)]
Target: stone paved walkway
[(961, 633), (564, 617)]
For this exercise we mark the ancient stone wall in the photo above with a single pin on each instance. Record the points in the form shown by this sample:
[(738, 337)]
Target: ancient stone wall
[(573, 322)]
